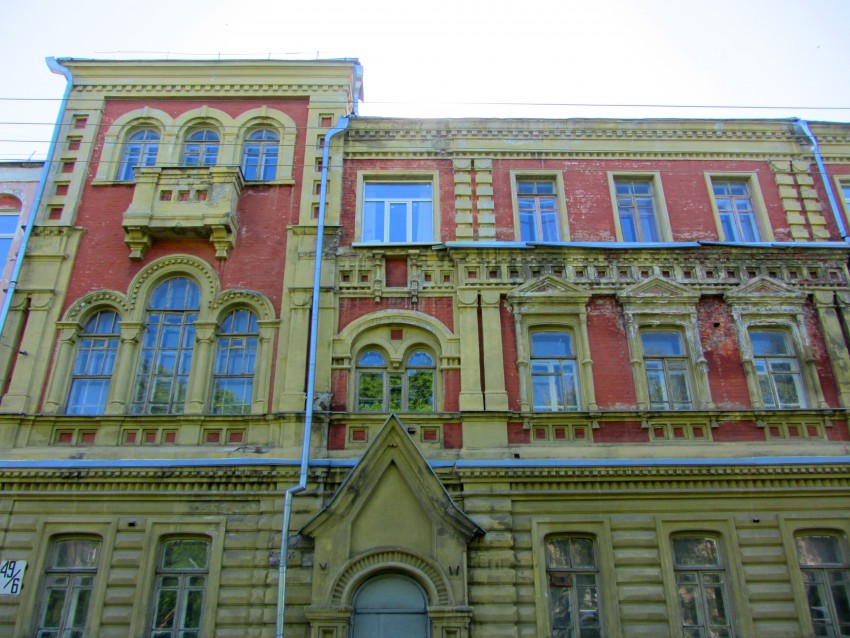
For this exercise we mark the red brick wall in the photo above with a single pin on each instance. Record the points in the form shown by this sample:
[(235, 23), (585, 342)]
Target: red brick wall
[(440, 308), (609, 349), (509, 352), (722, 354)]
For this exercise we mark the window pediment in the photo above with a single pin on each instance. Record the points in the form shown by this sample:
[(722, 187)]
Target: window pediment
[(655, 290), (765, 292)]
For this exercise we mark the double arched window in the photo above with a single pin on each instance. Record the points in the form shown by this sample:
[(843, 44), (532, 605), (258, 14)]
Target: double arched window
[(408, 389), (162, 375), (140, 149), (260, 154), (201, 148)]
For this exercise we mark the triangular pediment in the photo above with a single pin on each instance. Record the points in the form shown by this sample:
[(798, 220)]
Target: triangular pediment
[(549, 286), (392, 481), (657, 288), (764, 290)]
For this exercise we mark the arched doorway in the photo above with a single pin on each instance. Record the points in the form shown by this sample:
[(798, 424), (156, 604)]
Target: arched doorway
[(390, 606)]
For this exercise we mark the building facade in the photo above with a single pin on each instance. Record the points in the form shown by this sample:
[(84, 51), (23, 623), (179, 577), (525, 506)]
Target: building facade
[(571, 378)]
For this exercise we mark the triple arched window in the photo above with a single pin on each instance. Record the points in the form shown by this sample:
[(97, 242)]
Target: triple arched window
[(171, 356), (382, 388)]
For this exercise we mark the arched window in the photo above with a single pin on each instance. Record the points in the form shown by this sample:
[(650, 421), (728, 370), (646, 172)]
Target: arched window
[(408, 390), (181, 581), (390, 605), (201, 148), (235, 359), (162, 376), (92, 372), (259, 158), (826, 576), (701, 584), (67, 588), (573, 574), (140, 149), (10, 213)]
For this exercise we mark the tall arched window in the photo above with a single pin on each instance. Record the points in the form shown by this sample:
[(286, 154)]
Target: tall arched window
[(162, 377), (181, 581), (235, 359), (93, 364), (67, 588), (825, 567), (201, 148), (259, 158), (140, 149), (408, 390), (573, 573)]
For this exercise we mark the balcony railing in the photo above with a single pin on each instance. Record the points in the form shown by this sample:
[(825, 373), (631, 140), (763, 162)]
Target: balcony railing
[(183, 202)]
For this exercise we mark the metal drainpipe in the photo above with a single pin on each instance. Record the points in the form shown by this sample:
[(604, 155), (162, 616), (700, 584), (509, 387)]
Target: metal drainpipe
[(57, 68), (341, 125), (802, 127)]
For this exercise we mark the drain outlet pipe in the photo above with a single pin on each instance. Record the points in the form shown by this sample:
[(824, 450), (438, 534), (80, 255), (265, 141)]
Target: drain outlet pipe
[(341, 125), (57, 68), (802, 128)]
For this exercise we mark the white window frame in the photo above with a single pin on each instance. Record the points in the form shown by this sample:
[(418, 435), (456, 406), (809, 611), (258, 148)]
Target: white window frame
[(662, 219), (767, 360), (759, 208), (557, 178), (389, 177)]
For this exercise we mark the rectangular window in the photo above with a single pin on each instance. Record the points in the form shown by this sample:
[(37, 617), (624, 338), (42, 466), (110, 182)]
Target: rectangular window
[(67, 589), (701, 587), (637, 211), (826, 577), (538, 210), (778, 370), (667, 375), (554, 380), (398, 212), (573, 578), (735, 209)]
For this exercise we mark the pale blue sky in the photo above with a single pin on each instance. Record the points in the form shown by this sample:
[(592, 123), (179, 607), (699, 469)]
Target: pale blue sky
[(454, 58)]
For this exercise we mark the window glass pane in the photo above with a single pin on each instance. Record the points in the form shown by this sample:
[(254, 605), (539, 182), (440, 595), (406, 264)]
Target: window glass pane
[(371, 358), (401, 190), (185, 554), (75, 554), (370, 395), (420, 391), (769, 342), (551, 344), (692, 551), (420, 359), (819, 550), (660, 344)]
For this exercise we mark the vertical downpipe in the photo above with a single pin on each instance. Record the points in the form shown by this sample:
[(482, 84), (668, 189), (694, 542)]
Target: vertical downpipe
[(57, 68), (341, 125), (802, 127)]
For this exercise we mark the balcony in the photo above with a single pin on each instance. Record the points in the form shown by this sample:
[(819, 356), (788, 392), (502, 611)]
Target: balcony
[(173, 202)]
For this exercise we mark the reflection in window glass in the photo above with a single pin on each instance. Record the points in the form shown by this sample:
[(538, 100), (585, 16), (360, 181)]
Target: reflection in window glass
[(235, 359), (826, 577), (140, 149), (636, 209), (259, 158), (554, 380), (93, 364), (735, 207), (572, 572), (701, 587), (201, 148), (400, 212), (67, 591), (165, 360), (778, 370), (411, 389), (666, 365), (180, 585), (538, 210)]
